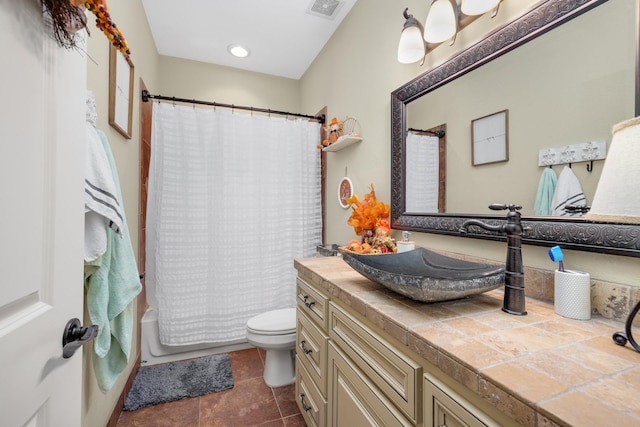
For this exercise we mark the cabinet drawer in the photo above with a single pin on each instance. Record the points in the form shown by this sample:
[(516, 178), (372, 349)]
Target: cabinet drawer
[(312, 302), (354, 400), (397, 376), (313, 406), (311, 348)]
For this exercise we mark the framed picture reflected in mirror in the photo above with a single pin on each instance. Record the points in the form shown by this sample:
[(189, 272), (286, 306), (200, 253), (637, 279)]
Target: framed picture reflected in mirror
[(490, 138)]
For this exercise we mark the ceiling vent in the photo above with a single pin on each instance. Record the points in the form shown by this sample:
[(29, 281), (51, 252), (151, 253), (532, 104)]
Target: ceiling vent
[(324, 8)]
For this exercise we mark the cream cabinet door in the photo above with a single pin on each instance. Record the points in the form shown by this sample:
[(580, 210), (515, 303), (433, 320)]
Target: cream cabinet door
[(393, 373), (441, 409), (354, 401)]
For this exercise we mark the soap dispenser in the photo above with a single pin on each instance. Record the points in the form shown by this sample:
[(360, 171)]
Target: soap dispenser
[(405, 245)]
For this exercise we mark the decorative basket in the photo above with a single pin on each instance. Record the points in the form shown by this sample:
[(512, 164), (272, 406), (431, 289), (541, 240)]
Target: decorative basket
[(351, 127)]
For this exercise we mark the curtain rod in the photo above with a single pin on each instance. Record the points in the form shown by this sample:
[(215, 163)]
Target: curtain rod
[(438, 133), (146, 96)]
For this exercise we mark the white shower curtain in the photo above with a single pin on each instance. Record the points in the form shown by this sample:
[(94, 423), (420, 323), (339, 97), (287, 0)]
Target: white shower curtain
[(233, 199)]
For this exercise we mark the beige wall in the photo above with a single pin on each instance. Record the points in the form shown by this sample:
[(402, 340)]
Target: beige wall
[(130, 18), (353, 76), (197, 80)]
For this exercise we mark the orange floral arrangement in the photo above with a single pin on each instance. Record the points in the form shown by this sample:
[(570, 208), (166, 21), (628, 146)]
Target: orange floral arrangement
[(366, 214), (368, 219)]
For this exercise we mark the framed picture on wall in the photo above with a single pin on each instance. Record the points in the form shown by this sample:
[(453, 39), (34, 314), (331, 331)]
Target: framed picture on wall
[(490, 138), (120, 92)]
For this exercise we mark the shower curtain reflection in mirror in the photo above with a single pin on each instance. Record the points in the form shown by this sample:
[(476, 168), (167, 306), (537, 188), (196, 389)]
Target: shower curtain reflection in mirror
[(425, 169), (233, 199), (423, 158)]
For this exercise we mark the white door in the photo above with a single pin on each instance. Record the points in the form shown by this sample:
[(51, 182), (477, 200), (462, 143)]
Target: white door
[(42, 110)]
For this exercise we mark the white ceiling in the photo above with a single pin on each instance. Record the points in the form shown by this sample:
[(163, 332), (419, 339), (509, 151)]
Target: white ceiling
[(283, 38)]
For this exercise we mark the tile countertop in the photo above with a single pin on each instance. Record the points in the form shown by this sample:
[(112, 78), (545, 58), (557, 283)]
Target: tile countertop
[(540, 369)]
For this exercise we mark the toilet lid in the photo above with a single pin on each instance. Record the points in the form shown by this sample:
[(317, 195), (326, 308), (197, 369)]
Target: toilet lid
[(280, 322)]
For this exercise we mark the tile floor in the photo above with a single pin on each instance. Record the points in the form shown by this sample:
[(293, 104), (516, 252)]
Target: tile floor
[(249, 403)]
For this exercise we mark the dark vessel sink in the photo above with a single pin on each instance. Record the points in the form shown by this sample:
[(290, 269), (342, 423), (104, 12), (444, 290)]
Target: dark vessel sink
[(424, 275)]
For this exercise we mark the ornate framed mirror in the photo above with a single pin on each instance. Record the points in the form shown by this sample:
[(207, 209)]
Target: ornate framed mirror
[(570, 233)]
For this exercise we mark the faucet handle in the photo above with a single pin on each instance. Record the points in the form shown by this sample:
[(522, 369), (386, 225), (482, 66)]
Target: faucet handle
[(503, 207)]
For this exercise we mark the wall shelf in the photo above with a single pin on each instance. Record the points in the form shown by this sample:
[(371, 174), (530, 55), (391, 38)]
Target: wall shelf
[(342, 142)]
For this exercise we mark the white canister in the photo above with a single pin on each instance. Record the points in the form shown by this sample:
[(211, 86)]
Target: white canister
[(405, 246), (572, 294)]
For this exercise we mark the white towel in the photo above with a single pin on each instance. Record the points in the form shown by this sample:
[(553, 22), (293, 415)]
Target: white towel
[(568, 193), (102, 208), (95, 236)]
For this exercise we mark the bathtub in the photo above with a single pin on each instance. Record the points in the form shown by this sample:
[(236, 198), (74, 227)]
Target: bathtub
[(154, 352)]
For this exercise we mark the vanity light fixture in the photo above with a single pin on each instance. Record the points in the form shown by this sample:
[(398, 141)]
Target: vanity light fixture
[(444, 19), (238, 50), (411, 47)]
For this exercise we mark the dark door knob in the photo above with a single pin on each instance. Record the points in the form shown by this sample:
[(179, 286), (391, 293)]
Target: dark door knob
[(75, 335)]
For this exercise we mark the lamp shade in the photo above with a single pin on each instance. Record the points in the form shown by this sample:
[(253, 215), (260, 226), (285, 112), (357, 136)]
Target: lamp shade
[(617, 197), (411, 46), (441, 22), (477, 7)]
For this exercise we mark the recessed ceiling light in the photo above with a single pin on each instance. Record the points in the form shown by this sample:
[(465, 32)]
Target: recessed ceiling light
[(238, 50)]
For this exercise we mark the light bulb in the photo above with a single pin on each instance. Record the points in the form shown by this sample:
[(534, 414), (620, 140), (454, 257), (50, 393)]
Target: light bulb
[(411, 46), (477, 7), (441, 22)]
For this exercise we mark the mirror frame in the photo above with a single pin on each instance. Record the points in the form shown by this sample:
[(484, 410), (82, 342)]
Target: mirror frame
[(575, 233)]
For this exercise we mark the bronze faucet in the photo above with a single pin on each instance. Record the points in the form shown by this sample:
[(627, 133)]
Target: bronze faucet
[(514, 301)]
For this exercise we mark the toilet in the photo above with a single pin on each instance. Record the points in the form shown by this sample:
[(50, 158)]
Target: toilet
[(275, 332)]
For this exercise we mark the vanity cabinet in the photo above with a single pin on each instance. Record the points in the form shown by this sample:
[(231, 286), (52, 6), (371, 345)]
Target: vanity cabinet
[(348, 374)]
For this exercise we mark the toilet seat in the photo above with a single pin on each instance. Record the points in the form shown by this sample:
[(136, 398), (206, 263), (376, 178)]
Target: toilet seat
[(275, 322)]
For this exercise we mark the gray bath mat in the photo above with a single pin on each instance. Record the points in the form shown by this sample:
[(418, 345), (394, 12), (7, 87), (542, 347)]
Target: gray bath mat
[(177, 380)]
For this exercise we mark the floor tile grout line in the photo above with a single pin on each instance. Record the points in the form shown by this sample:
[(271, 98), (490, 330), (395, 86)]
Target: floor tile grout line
[(246, 379), (275, 398)]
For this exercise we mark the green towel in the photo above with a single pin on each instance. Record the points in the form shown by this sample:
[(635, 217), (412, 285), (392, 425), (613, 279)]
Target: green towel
[(546, 190), (112, 285)]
